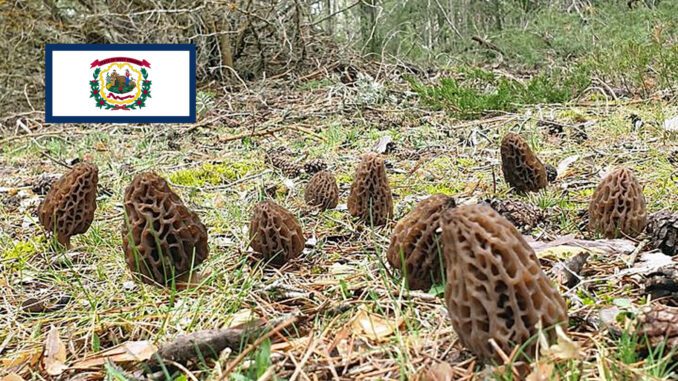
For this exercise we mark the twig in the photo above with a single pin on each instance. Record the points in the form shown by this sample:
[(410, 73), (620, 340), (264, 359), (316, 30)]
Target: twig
[(251, 134), (254, 345), (634, 254)]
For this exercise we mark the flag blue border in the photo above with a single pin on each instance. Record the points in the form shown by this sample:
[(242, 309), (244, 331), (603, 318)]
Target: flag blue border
[(50, 118)]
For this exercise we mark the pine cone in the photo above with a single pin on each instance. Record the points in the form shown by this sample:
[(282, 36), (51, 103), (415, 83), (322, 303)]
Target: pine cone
[(280, 157), (659, 324), (407, 154), (551, 173), (673, 157), (579, 134), (523, 216), (663, 230), (315, 166), (43, 183)]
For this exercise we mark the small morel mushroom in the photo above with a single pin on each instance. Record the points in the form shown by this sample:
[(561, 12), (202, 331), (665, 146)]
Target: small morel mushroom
[(618, 206), (495, 288), (662, 228), (275, 233), (370, 198), (68, 208), (322, 191), (415, 243), (162, 239), (314, 166), (521, 167)]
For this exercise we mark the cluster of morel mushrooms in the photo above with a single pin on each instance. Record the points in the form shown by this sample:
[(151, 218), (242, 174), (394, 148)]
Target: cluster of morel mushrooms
[(496, 292)]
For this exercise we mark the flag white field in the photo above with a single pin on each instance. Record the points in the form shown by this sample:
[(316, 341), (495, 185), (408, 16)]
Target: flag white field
[(105, 84)]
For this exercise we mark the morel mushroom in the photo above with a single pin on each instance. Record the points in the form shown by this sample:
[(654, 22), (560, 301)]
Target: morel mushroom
[(618, 206), (521, 167), (322, 191), (68, 208), (370, 198), (275, 233), (162, 239), (495, 288), (415, 243)]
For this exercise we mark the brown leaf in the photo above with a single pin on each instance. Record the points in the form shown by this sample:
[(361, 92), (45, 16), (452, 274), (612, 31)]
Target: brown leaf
[(54, 356), (131, 351), (436, 372), (30, 358), (542, 372), (12, 377)]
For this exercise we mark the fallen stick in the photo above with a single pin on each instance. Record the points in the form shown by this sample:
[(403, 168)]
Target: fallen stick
[(209, 343)]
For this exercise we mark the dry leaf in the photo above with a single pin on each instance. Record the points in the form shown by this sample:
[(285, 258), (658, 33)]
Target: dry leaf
[(436, 372), (100, 146), (241, 317), (383, 144), (54, 356), (24, 358), (565, 164), (12, 377), (542, 372), (561, 252), (131, 351), (564, 348), (373, 326), (671, 125)]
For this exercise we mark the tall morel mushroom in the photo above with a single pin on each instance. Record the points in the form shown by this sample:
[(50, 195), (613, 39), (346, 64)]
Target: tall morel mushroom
[(68, 208), (162, 239), (618, 206), (370, 198), (415, 243), (495, 288), (275, 233), (322, 191), (521, 167)]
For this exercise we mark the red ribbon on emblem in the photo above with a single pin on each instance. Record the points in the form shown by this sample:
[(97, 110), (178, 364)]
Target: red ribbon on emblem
[(118, 107), (135, 61), (111, 95)]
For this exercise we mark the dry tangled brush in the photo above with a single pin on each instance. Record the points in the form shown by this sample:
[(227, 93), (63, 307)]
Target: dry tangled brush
[(252, 38)]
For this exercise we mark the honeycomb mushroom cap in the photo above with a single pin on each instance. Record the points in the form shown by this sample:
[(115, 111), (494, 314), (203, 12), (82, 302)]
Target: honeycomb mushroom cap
[(415, 243), (275, 233), (69, 206), (495, 286), (521, 167), (370, 198), (162, 239), (322, 191), (618, 206)]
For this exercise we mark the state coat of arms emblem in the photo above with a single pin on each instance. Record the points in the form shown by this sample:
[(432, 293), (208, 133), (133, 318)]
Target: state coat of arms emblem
[(120, 83)]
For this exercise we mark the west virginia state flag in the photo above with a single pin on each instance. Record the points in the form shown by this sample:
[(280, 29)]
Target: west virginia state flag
[(152, 83)]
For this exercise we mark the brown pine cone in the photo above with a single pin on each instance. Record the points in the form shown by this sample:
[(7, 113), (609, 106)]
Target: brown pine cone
[(523, 216), (314, 166), (662, 228), (551, 173)]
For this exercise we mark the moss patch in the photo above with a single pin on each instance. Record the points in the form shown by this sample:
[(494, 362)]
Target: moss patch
[(214, 173)]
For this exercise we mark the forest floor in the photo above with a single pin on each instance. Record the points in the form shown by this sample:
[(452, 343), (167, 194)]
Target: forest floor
[(353, 318)]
